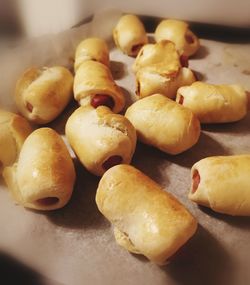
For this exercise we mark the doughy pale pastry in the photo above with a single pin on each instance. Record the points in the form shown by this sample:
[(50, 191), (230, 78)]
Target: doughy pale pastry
[(214, 103), (13, 131), (44, 175), (100, 138), (178, 32), (164, 124), (92, 49), (147, 219), (42, 93), (151, 80), (94, 85), (161, 55), (222, 183), (130, 35)]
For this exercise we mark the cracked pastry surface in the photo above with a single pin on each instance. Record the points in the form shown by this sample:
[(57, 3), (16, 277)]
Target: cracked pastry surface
[(146, 219), (100, 138)]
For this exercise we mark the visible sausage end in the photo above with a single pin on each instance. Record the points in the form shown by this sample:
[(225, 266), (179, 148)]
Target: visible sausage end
[(184, 60), (189, 38), (181, 100), (48, 201), (102, 100), (196, 180), (136, 48), (112, 161), (29, 107)]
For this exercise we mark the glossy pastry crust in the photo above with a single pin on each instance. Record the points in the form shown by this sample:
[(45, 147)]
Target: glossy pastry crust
[(223, 184), (147, 219), (14, 129), (92, 49), (98, 134), (93, 78), (214, 103), (164, 124), (161, 55), (42, 93), (129, 35), (152, 79), (178, 32), (44, 175)]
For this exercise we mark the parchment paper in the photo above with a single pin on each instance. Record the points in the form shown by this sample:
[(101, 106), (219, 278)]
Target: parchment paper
[(75, 245)]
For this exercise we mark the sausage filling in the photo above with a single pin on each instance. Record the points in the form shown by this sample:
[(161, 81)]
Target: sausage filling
[(136, 48), (102, 100), (181, 100), (196, 181), (112, 161), (49, 201)]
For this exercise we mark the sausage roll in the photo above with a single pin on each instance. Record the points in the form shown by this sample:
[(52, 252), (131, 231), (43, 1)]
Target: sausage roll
[(100, 138), (162, 54), (130, 35), (44, 175), (94, 85), (214, 103), (178, 32), (13, 131), (152, 79), (147, 220), (222, 183), (164, 124), (92, 49), (42, 94)]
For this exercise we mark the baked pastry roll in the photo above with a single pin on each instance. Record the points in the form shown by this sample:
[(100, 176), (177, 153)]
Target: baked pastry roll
[(164, 124), (222, 183), (161, 55), (100, 138), (92, 49), (147, 220), (94, 85), (44, 175), (152, 79), (130, 35), (178, 32), (13, 131), (214, 103), (42, 93)]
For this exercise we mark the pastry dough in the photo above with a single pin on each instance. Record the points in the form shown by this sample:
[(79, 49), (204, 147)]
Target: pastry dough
[(44, 175), (214, 103), (100, 138), (178, 32), (222, 183), (42, 94), (94, 78), (92, 49), (129, 35), (151, 80), (13, 131), (147, 219), (162, 55), (164, 124)]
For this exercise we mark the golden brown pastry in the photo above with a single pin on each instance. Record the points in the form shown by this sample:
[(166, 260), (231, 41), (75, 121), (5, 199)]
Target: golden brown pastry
[(161, 55), (130, 35), (222, 183), (100, 138), (94, 85), (147, 220), (92, 49), (164, 124), (152, 79), (42, 93), (214, 103), (13, 131), (44, 175), (178, 32)]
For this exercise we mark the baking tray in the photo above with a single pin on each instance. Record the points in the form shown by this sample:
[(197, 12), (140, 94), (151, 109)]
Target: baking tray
[(75, 245)]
